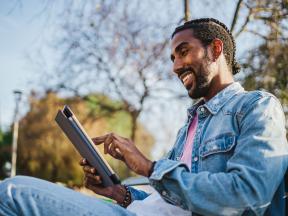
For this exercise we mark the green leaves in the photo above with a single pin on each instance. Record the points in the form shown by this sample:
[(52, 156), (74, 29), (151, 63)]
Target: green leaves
[(45, 152)]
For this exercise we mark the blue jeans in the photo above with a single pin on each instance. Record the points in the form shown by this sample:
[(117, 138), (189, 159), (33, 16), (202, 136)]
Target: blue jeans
[(30, 196)]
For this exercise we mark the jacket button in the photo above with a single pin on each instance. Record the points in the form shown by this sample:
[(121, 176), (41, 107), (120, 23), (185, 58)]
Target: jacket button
[(164, 193), (195, 159)]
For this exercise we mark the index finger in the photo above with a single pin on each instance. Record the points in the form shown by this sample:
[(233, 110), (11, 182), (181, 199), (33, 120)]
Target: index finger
[(100, 139)]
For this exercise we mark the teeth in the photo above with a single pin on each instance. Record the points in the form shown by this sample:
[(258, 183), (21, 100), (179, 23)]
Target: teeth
[(186, 77)]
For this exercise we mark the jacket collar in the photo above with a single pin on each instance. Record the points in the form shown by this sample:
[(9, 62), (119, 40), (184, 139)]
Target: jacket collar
[(219, 100)]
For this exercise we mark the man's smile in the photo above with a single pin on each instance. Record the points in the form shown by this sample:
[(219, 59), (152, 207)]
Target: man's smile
[(187, 78)]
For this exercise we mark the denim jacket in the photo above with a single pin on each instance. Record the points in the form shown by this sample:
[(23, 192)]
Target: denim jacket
[(239, 157)]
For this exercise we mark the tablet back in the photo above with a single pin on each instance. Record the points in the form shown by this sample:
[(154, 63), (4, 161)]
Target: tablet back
[(84, 145)]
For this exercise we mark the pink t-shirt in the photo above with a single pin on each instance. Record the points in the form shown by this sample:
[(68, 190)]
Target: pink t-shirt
[(187, 151)]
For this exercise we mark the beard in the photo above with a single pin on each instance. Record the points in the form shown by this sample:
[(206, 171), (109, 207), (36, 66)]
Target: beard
[(201, 83)]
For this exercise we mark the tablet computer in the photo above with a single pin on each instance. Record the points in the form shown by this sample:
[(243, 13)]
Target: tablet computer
[(82, 142)]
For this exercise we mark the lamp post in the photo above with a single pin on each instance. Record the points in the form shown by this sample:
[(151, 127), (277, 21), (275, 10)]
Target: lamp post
[(186, 10), (17, 95)]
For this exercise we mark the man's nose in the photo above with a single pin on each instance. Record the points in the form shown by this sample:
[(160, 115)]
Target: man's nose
[(177, 66)]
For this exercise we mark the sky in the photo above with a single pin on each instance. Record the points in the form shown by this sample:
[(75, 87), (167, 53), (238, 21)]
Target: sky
[(22, 29), (26, 25)]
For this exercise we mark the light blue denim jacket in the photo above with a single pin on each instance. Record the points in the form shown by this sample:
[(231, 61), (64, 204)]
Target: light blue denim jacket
[(239, 157)]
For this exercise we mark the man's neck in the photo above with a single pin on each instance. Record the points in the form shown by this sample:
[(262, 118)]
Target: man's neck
[(217, 89)]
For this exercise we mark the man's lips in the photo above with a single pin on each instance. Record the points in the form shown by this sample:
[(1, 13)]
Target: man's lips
[(187, 79)]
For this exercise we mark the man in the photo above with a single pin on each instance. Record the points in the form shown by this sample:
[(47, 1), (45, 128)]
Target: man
[(229, 158)]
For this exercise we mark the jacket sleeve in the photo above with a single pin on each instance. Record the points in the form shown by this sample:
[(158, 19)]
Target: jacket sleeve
[(137, 194)]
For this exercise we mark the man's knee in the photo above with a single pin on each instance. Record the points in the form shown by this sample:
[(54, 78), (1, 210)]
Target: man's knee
[(9, 185), (17, 180), (7, 192)]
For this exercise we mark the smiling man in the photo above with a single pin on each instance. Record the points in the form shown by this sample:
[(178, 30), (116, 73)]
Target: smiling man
[(229, 158), (194, 55)]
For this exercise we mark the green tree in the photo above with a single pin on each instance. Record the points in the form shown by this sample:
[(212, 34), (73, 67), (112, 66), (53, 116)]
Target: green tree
[(269, 70), (5, 151), (45, 152)]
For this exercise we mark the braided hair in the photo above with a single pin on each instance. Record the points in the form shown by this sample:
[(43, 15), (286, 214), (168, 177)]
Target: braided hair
[(206, 30)]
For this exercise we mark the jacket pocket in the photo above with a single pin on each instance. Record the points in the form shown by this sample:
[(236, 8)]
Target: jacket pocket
[(215, 153), (221, 143)]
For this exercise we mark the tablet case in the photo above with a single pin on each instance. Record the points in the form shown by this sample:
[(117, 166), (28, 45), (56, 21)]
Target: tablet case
[(85, 146)]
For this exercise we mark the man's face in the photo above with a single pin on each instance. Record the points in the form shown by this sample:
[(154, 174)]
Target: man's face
[(191, 63)]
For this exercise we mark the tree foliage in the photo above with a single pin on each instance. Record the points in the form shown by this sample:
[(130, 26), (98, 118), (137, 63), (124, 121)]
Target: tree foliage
[(120, 48), (5, 151), (258, 16), (113, 47), (269, 70), (45, 152)]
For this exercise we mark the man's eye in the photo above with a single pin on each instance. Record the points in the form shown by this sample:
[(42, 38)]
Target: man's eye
[(184, 52)]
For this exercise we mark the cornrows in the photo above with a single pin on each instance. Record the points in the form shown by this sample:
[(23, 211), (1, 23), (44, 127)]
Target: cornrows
[(206, 30)]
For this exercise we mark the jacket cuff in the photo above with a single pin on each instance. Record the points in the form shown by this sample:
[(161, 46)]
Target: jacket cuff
[(137, 194), (163, 167)]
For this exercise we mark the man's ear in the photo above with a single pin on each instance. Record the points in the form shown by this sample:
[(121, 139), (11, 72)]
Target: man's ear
[(217, 48)]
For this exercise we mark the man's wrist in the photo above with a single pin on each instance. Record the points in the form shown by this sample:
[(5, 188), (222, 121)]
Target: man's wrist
[(151, 169), (146, 168), (118, 193), (126, 199)]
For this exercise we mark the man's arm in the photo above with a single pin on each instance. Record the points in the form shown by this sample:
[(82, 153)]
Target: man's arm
[(253, 172)]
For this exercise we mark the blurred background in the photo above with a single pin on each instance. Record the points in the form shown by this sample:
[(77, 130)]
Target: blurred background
[(110, 61)]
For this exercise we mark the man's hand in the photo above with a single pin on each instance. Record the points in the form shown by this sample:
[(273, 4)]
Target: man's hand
[(124, 149), (93, 182)]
